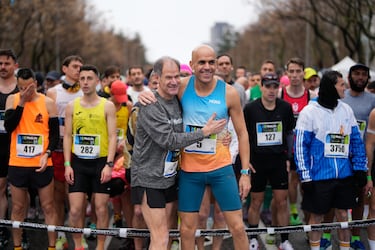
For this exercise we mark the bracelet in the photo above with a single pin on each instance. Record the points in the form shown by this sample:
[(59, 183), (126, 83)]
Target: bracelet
[(369, 177), (67, 164), (48, 152)]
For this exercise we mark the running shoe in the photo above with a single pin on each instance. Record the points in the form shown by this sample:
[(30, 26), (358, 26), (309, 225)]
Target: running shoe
[(117, 221), (357, 245), (40, 213), (325, 244), (31, 213), (175, 245), (294, 220), (270, 239), (127, 244), (92, 236), (4, 236), (286, 246), (25, 241), (84, 243), (254, 245), (61, 243)]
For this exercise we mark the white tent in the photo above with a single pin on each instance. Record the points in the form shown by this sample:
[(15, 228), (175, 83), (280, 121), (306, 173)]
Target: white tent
[(344, 65)]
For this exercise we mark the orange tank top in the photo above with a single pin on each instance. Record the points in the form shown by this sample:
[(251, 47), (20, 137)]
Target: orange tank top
[(30, 138)]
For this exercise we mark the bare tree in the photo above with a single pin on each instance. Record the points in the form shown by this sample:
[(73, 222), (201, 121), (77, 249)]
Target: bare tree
[(43, 32)]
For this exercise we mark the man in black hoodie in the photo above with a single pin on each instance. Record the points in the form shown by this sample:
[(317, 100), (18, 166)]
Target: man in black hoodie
[(330, 157)]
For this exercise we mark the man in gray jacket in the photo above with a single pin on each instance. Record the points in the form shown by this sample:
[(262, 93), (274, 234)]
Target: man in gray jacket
[(156, 152)]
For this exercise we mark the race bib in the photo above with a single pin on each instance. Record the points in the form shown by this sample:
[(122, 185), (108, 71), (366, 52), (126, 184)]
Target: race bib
[(87, 146), (2, 128), (336, 145), (362, 127), (120, 134), (29, 145), (171, 163), (269, 133), (205, 146)]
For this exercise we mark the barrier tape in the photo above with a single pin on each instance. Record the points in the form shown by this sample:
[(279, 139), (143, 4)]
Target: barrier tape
[(144, 233)]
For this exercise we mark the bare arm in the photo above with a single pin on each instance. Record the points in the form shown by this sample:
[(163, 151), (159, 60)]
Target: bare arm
[(51, 93), (67, 143), (110, 114), (236, 114), (370, 146), (53, 126)]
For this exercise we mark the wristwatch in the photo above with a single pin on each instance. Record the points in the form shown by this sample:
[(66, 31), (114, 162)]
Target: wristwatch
[(110, 164), (245, 171), (48, 152)]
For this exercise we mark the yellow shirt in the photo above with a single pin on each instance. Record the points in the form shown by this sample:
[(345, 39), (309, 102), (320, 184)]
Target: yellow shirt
[(122, 118), (89, 128)]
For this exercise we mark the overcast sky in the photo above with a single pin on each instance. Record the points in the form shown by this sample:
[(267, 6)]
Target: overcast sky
[(173, 27)]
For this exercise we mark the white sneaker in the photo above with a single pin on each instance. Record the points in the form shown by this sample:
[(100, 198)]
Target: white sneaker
[(175, 245), (254, 245), (286, 246), (84, 243)]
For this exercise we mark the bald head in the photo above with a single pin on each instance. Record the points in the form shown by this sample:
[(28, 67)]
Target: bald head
[(200, 50), (203, 63)]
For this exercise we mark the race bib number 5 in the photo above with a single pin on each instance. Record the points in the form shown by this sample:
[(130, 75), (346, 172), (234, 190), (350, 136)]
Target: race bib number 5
[(205, 146), (87, 146), (29, 145)]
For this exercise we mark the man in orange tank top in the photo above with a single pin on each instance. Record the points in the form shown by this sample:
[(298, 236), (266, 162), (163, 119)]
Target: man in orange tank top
[(31, 118)]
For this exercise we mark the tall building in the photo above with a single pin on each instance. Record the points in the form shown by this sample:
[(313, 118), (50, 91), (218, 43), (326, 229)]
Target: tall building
[(222, 33)]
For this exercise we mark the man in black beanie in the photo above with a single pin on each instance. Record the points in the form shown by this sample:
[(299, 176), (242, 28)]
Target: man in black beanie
[(362, 103), (330, 157)]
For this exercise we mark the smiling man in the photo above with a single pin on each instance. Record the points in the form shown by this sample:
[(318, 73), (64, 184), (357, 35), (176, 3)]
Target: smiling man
[(156, 152)]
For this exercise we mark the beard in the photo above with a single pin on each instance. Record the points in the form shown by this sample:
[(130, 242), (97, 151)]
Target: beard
[(357, 87)]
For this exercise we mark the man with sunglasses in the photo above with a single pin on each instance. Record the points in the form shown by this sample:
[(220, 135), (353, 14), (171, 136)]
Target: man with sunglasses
[(270, 124)]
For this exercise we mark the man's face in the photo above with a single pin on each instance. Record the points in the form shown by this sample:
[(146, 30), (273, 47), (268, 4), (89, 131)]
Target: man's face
[(88, 81), (240, 72), (340, 87), (269, 92), (204, 64), (153, 82), (169, 80), (255, 80), (267, 68), (359, 77), (295, 74), (312, 83), (224, 66), (72, 71), (136, 76), (113, 77), (23, 84), (7, 67)]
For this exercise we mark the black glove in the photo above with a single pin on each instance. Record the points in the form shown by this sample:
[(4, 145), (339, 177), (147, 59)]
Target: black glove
[(360, 178), (308, 186)]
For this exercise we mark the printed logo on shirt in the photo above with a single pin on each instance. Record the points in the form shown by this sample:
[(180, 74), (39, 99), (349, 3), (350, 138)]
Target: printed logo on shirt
[(39, 118), (214, 101)]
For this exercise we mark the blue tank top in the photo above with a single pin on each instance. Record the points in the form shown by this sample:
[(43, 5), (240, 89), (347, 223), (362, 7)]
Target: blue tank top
[(208, 154), (198, 109)]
